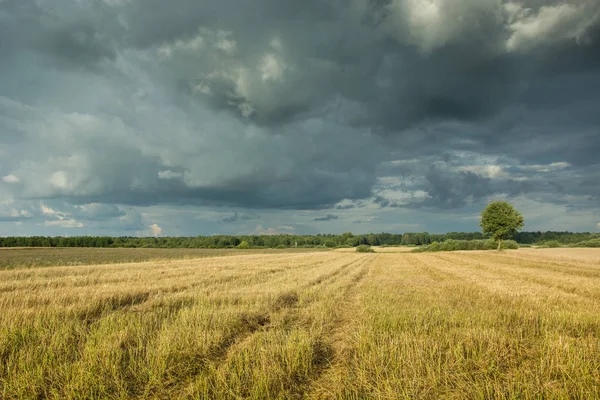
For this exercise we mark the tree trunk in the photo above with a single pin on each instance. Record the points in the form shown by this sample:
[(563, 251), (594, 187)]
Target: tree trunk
[(499, 244)]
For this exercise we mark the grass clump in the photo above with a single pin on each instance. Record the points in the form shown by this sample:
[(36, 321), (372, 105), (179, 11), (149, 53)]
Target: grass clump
[(363, 248), (286, 300)]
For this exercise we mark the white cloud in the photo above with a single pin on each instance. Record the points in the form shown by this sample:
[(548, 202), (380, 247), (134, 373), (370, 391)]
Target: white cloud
[(549, 24), (400, 198), (193, 44), (59, 180), (487, 171), (10, 179), (203, 88), (65, 223), (205, 40), (557, 166), (168, 174), (47, 210), (16, 214), (276, 44), (280, 230), (272, 68), (225, 43), (430, 24), (155, 230), (63, 219), (21, 213)]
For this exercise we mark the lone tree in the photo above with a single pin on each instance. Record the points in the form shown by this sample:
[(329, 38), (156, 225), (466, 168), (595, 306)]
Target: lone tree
[(501, 221)]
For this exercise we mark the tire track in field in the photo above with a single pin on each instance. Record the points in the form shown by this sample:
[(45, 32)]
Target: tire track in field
[(330, 276), (434, 273), (336, 335), (286, 303), (292, 309)]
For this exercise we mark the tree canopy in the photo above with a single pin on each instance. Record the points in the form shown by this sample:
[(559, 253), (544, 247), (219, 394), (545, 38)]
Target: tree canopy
[(501, 220)]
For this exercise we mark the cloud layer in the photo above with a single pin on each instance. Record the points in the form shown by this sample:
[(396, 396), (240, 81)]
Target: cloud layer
[(120, 113)]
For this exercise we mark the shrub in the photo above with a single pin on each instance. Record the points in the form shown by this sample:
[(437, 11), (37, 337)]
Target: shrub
[(455, 245), (510, 245), (363, 248), (550, 244), (244, 245), (588, 243), (281, 246)]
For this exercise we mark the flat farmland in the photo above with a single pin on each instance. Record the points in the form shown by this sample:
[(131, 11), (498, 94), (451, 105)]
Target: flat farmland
[(310, 325), (48, 256)]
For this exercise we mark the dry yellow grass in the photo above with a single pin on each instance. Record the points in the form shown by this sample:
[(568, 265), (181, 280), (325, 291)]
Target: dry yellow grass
[(379, 249), (331, 325)]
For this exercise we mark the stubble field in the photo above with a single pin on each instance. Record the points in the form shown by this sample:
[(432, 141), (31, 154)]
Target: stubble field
[(315, 325)]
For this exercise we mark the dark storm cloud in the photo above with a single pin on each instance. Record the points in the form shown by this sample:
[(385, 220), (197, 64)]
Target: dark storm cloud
[(77, 44), (298, 105), (98, 212), (75, 34), (328, 217), (454, 190), (237, 217)]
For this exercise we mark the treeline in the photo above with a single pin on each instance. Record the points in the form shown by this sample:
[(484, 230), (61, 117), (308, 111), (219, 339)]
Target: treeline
[(274, 241), (560, 237)]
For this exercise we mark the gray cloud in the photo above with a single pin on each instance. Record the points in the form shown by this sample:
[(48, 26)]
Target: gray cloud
[(237, 217), (347, 106), (328, 217)]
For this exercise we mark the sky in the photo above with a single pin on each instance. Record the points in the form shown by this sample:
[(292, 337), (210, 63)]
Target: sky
[(198, 117)]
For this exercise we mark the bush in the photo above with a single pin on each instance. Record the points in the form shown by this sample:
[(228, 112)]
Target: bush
[(363, 248), (243, 245), (550, 244), (587, 243), (510, 245), (456, 245), (281, 246)]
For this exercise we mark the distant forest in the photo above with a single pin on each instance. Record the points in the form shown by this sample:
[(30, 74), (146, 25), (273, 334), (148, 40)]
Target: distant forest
[(281, 241)]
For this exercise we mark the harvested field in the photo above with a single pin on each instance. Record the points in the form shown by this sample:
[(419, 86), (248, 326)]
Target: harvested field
[(315, 325), (61, 256)]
